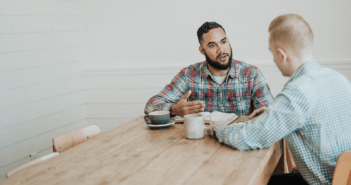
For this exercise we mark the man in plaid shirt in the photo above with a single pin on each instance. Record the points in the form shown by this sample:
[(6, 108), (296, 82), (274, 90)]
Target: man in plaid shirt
[(218, 84)]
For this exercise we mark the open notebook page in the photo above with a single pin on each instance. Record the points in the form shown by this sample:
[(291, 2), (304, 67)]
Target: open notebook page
[(216, 116)]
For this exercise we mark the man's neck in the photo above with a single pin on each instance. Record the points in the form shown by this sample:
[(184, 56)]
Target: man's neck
[(299, 62), (217, 72), (307, 58)]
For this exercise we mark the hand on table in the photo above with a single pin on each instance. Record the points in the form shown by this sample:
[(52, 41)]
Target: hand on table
[(184, 107), (257, 112), (211, 129)]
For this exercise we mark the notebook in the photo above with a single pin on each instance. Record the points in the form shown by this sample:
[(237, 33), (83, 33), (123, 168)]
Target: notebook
[(216, 116)]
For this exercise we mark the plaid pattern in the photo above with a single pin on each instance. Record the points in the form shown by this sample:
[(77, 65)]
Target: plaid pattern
[(312, 112), (243, 90)]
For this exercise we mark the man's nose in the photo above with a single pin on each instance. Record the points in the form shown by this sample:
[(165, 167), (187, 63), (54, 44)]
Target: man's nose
[(220, 49)]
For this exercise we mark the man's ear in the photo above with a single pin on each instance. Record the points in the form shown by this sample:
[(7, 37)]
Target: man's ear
[(201, 49), (283, 54)]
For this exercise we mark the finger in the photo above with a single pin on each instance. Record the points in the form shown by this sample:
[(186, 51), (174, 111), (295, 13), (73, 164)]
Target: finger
[(195, 103), (257, 112), (194, 111), (253, 114), (198, 110), (196, 106), (186, 96), (260, 111)]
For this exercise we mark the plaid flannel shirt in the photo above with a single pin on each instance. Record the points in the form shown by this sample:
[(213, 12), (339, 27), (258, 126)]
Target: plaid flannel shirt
[(243, 90), (312, 112)]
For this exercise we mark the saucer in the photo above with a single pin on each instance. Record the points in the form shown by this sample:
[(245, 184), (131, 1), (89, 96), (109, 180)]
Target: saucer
[(170, 122)]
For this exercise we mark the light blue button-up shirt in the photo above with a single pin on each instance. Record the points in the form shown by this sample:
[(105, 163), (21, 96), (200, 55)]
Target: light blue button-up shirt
[(313, 113)]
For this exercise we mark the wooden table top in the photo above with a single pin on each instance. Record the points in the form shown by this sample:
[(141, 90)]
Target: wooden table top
[(135, 154)]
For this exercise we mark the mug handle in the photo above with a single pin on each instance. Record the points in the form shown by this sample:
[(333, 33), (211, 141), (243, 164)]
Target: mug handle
[(146, 120)]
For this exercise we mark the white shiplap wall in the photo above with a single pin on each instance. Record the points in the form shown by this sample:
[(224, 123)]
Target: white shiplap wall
[(41, 85), (114, 96)]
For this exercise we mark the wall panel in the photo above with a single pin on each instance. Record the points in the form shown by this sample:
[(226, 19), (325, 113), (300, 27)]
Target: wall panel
[(33, 41), (113, 95), (42, 88), (36, 58)]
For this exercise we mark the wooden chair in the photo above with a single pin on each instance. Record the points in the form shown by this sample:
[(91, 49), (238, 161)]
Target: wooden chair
[(43, 158), (66, 141), (289, 164), (342, 171)]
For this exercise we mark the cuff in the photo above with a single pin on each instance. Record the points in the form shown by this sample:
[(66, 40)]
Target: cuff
[(168, 107), (220, 132)]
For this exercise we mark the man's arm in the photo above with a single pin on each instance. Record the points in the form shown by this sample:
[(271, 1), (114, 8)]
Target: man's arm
[(285, 115), (174, 98), (262, 95), (170, 95)]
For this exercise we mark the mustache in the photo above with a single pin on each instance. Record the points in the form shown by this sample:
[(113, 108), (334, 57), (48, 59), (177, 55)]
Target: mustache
[(222, 55)]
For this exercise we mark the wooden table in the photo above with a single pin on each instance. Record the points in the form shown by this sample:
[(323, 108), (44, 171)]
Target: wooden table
[(135, 154)]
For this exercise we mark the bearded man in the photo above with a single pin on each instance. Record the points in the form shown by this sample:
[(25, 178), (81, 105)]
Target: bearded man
[(218, 84)]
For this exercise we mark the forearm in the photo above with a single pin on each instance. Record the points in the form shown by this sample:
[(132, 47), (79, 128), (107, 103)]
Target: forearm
[(169, 96), (235, 137), (281, 119), (154, 105)]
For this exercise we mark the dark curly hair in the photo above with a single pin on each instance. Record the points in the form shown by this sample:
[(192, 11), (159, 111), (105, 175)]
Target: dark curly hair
[(205, 28)]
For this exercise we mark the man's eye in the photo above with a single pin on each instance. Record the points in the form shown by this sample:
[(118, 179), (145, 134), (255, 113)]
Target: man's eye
[(224, 41), (212, 45)]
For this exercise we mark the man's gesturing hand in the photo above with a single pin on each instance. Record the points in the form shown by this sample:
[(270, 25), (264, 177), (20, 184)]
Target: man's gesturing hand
[(184, 107), (257, 112)]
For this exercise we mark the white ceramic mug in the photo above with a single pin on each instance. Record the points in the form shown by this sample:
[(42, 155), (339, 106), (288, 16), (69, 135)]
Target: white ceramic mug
[(194, 126)]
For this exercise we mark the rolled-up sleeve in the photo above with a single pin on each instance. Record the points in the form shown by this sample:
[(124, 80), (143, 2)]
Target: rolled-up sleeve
[(170, 95), (285, 115)]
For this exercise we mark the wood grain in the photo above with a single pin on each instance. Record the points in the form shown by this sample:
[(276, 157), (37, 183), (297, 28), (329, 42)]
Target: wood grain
[(43, 158), (342, 172), (135, 154)]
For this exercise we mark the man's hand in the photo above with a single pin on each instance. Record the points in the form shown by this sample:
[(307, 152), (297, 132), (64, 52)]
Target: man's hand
[(183, 107), (257, 112), (211, 131)]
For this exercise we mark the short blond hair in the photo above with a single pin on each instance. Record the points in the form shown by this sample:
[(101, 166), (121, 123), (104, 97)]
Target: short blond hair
[(292, 32)]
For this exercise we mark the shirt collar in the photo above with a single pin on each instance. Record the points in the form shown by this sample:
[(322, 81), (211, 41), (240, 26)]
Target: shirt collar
[(304, 68), (206, 71)]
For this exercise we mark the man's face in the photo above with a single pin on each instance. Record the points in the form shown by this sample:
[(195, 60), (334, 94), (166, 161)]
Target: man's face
[(216, 48)]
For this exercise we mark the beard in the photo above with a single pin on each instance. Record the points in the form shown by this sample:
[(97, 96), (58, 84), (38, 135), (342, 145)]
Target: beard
[(218, 65)]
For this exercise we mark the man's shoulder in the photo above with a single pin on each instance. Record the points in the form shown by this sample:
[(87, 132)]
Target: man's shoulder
[(245, 66), (245, 71), (320, 76), (193, 67)]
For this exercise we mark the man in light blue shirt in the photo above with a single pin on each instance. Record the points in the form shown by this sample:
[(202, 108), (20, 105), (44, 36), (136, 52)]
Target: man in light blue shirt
[(312, 111)]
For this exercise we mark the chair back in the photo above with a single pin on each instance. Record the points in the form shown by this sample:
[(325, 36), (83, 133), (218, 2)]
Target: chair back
[(43, 158), (289, 163), (66, 141), (342, 171)]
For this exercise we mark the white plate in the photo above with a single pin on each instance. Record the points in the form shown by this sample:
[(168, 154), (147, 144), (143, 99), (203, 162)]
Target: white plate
[(170, 122)]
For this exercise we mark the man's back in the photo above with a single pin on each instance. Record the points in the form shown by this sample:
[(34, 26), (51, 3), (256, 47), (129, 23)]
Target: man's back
[(325, 130)]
